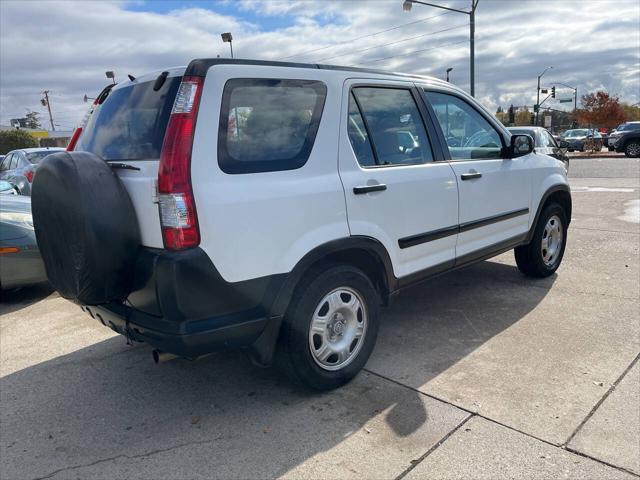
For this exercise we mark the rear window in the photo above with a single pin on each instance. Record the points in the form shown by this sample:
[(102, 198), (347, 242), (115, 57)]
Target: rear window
[(35, 157), (131, 122), (268, 124)]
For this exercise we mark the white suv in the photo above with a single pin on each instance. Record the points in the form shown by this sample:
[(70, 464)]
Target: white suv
[(277, 206)]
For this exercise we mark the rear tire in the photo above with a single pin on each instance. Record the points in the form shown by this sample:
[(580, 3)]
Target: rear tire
[(330, 328), (632, 149), (543, 255)]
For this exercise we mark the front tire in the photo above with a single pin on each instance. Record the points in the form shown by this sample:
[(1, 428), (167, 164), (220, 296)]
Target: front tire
[(632, 149), (330, 328), (543, 255)]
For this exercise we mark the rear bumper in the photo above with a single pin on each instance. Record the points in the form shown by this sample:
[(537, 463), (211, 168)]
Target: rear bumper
[(188, 338), (182, 305)]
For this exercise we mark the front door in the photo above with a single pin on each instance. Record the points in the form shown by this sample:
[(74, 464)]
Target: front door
[(494, 191), (396, 189)]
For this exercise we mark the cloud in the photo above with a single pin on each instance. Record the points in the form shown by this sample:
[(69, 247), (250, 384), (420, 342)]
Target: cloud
[(65, 47)]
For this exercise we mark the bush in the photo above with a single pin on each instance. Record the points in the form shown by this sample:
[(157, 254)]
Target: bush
[(13, 139)]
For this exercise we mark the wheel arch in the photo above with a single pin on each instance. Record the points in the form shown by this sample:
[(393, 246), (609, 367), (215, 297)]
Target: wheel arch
[(559, 193), (365, 253)]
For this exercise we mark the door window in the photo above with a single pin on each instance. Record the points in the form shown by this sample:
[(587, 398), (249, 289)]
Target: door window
[(469, 135), (14, 161), (392, 122), (358, 135)]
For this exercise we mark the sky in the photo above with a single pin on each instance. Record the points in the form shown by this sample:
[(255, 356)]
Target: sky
[(65, 47)]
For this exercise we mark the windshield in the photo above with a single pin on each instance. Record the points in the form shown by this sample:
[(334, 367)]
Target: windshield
[(131, 122), (36, 157), (581, 132)]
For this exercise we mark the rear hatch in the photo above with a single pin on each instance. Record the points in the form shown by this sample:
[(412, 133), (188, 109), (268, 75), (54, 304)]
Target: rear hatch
[(127, 130)]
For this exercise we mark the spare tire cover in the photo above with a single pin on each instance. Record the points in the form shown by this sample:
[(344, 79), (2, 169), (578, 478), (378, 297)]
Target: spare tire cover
[(86, 227)]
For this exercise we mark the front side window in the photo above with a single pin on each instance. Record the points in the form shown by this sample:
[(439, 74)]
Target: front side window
[(268, 124), (469, 135), (393, 121)]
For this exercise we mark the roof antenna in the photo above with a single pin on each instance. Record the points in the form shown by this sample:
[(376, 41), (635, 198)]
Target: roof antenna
[(131, 77)]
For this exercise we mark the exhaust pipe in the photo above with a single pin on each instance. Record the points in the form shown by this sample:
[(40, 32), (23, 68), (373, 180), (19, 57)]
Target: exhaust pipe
[(161, 357)]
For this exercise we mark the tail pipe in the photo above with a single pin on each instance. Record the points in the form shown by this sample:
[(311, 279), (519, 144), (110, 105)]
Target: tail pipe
[(162, 357)]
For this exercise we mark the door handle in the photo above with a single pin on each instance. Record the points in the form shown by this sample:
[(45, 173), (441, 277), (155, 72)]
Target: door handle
[(470, 175), (369, 188)]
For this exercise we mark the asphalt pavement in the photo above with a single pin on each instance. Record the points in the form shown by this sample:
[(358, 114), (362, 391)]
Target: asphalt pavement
[(480, 373)]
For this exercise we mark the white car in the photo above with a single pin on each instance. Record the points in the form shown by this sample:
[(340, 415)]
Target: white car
[(276, 207)]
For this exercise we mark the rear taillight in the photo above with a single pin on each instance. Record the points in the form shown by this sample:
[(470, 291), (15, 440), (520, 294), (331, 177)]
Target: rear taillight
[(29, 175), (175, 195)]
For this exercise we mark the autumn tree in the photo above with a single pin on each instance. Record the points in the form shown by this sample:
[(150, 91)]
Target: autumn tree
[(600, 110), (631, 112)]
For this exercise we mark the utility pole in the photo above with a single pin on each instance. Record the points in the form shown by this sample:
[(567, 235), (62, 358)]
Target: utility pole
[(45, 101)]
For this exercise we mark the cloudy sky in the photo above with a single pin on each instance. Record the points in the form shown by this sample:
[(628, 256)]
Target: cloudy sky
[(65, 47)]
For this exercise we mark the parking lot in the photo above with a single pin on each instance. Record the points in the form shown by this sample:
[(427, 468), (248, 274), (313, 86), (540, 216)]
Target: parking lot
[(480, 373)]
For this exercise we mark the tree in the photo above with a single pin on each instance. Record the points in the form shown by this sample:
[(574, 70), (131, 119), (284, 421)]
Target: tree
[(600, 110), (631, 112), (13, 139), (32, 120), (523, 117)]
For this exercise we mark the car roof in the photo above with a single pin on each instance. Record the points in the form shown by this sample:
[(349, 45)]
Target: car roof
[(200, 66)]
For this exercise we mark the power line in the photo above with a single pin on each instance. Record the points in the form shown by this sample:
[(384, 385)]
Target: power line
[(391, 43), (414, 51), (365, 36)]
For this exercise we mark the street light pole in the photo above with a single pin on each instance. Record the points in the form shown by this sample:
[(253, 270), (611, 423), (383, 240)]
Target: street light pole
[(406, 6), (538, 98), (228, 38)]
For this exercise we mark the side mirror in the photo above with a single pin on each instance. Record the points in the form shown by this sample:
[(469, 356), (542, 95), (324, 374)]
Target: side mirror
[(563, 144), (520, 145)]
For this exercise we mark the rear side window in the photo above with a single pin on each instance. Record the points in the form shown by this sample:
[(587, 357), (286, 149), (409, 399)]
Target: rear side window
[(131, 122), (393, 121), (268, 124)]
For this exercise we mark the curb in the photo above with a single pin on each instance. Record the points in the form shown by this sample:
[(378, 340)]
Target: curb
[(596, 155)]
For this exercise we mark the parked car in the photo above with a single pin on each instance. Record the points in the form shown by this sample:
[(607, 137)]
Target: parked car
[(577, 139), (277, 206), (544, 142), (20, 261), (19, 166), (626, 138), (7, 188)]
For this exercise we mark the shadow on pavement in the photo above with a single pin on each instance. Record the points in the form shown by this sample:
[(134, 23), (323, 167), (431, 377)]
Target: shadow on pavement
[(108, 405), (14, 300)]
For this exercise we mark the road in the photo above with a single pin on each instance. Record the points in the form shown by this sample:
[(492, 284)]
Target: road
[(480, 373)]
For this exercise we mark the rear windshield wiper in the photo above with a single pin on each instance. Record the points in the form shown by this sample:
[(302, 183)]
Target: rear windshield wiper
[(123, 166)]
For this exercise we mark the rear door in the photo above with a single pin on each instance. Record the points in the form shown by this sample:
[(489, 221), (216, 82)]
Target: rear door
[(494, 191), (397, 191), (127, 130)]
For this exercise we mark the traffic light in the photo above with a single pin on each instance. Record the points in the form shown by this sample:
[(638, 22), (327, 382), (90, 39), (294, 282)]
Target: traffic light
[(536, 107), (553, 92), (512, 116)]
